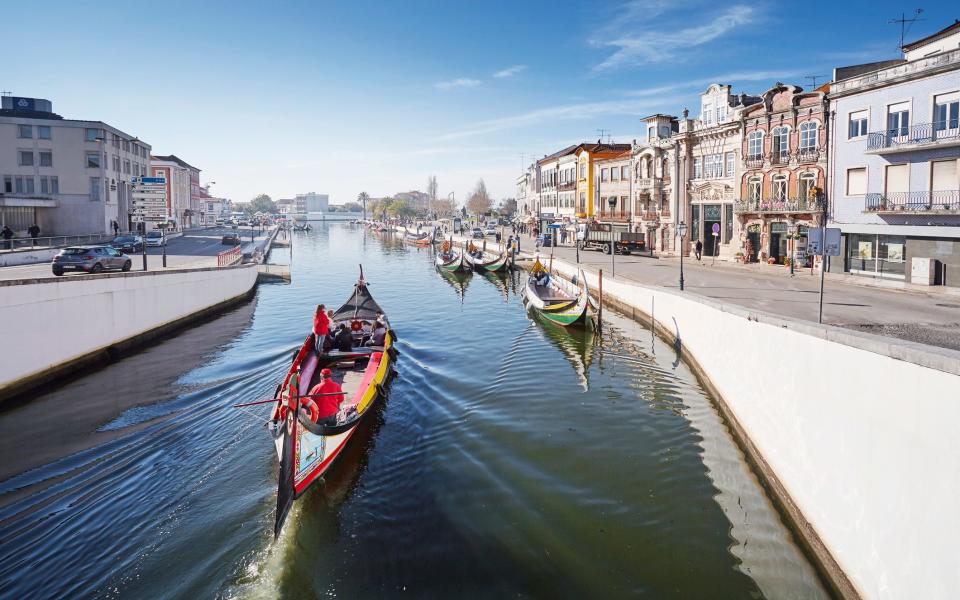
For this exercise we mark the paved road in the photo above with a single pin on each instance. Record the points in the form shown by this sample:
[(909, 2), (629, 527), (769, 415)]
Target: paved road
[(930, 318), (196, 249)]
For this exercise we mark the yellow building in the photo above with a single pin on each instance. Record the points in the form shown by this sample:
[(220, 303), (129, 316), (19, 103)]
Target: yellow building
[(587, 156)]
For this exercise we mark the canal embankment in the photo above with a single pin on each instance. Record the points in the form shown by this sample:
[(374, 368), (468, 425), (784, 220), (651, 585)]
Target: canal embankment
[(853, 433), (59, 326)]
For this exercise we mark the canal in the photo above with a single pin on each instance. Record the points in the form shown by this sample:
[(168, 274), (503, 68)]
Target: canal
[(509, 458)]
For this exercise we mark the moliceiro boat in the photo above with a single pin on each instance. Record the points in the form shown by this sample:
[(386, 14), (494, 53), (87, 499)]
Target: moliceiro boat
[(450, 260), (484, 261), (418, 239), (557, 300), (306, 446)]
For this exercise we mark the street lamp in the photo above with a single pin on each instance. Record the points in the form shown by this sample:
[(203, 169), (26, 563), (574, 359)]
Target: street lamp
[(612, 201), (681, 232), (794, 230)]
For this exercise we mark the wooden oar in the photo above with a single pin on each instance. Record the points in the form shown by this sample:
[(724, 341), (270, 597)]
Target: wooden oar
[(277, 399)]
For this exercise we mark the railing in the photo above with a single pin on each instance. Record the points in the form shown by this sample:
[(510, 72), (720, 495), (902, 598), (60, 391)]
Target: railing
[(56, 241), (915, 135), (614, 215), (779, 158), (753, 162), (791, 205), (913, 201), (650, 215), (568, 186), (649, 182), (229, 257), (808, 155)]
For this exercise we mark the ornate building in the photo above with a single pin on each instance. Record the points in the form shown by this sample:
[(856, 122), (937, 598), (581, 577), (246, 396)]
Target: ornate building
[(784, 166), (653, 191)]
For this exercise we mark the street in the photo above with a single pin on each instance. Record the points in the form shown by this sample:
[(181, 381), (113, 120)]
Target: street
[(196, 249)]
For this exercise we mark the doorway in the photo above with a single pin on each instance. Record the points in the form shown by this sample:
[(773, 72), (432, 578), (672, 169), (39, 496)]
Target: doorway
[(753, 242), (778, 241), (711, 217)]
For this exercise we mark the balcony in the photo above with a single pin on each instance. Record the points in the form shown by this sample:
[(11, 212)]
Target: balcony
[(779, 158), (650, 215), (792, 205), (568, 186), (921, 136), (615, 215), (754, 161), (808, 155), (649, 183), (904, 203)]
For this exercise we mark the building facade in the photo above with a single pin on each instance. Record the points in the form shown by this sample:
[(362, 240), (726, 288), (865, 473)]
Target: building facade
[(67, 176), (780, 189), (614, 187), (311, 202), (586, 174), (179, 197), (895, 146), (654, 162)]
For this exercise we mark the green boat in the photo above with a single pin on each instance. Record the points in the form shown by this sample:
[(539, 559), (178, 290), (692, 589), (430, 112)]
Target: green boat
[(559, 301), (451, 261), (487, 262)]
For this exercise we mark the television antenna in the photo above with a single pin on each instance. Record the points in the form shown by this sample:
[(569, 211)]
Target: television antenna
[(905, 23), (813, 80), (6, 93), (604, 133)]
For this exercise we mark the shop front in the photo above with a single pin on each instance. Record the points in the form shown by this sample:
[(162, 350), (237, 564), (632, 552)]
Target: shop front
[(875, 255)]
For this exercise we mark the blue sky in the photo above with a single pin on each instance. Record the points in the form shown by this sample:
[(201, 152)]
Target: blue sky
[(344, 97)]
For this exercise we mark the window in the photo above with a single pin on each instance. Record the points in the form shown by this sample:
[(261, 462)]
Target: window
[(7, 184), (91, 134), (604, 174), (93, 160), (857, 181), (779, 187), (713, 166), (126, 145), (898, 119), (755, 144), (808, 136), (116, 163), (753, 189), (116, 141), (30, 184), (946, 112), (583, 171), (808, 181), (780, 141), (44, 185), (43, 132), (697, 168), (46, 159), (897, 180), (858, 124), (25, 132), (707, 113), (614, 174), (95, 188), (721, 113), (623, 173), (143, 170), (54, 185), (943, 176), (727, 223), (730, 160), (26, 158), (19, 184), (126, 167)]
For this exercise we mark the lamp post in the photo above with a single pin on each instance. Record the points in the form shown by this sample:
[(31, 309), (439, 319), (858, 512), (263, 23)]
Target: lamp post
[(681, 232), (794, 229), (612, 201)]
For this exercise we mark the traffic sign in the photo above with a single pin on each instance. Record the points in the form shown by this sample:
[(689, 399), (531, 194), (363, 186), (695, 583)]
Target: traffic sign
[(832, 244), (149, 180), (816, 244), (716, 229), (149, 194)]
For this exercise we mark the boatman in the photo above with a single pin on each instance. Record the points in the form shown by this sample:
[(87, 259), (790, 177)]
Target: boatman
[(328, 406)]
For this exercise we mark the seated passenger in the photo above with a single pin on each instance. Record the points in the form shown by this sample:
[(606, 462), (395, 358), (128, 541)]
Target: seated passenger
[(379, 335), (344, 339), (328, 405), (543, 279)]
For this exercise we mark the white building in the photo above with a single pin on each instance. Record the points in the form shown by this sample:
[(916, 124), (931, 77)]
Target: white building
[(177, 174), (311, 202), (67, 176)]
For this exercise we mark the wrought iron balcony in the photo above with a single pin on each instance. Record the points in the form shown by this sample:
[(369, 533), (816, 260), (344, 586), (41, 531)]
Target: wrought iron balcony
[(779, 158), (650, 215), (754, 161), (914, 202), (808, 155), (790, 205), (568, 186), (646, 183), (614, 215), (920, 135)]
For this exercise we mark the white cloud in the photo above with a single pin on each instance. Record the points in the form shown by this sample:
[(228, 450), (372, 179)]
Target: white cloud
[(462, 82), (664, 43), (767, 77), (510, 71)]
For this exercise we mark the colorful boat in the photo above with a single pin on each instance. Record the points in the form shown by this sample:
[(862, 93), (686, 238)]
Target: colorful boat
[(487, 261), (418, 239), (307, 449), (559, 301), (449, 259)]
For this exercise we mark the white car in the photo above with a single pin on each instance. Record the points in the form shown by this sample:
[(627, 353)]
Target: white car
[(490, 231), (155, 238)]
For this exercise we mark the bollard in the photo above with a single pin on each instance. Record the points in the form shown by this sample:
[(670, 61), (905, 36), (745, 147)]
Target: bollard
[(600, 303)]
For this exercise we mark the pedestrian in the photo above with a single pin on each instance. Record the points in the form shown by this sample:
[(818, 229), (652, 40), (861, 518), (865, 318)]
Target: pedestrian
[(563, 235), (34, 231), (116, 228), (699, 249), (7, 235)]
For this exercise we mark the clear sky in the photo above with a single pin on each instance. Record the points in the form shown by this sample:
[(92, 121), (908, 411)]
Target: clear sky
[(344, 97)]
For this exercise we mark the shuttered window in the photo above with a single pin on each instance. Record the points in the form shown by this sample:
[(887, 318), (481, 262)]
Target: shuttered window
[(857, 181), (943, 175), (898, 179)]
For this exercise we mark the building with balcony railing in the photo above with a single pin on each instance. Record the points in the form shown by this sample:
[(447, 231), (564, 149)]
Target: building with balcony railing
[(67, 176), (654, 166), (895, 149), (784, 172), (613, 180)]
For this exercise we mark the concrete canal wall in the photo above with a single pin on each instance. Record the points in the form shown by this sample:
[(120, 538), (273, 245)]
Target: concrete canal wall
[(854, 434), (54, 326)]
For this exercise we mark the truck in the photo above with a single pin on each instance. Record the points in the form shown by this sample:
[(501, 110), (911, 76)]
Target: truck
[(607, 237)]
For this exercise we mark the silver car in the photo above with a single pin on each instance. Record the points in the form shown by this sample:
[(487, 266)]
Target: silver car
[(91, 259)]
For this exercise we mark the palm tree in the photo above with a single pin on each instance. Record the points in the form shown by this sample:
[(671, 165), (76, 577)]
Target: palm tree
[(362, 199)]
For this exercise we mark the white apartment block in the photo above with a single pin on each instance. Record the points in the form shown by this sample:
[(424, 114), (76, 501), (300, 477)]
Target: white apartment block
[(179, 195), (67, 176)]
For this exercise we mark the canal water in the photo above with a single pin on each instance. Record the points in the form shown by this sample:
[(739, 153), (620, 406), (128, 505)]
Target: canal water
[(510, 458)]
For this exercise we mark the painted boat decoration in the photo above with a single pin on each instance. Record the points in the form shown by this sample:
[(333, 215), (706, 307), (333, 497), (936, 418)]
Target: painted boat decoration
[(449, 259), (487, 261), (418, 239), (559, 301), (306, 449)]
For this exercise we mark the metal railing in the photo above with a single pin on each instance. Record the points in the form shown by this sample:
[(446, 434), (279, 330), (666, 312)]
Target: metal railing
[(614, 215), (752, 162), (229, 257), (790, 205), (779, 158), (915, 135), (913, 201), (650, 215), (808, 155), (23, 244)]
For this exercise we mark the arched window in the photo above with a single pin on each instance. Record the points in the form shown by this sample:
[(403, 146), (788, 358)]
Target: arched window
[(808, 135), (753, 189), (807, 182), (755, 144), (780, 140), (779, 187)]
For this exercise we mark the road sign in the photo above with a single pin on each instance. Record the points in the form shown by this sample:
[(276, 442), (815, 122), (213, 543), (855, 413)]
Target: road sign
[(149, 180), (149, 194), (832, 244), (815, 242), (716, 229)]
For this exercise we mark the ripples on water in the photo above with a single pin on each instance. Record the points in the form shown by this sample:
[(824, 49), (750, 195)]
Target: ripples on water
[(510, 458)]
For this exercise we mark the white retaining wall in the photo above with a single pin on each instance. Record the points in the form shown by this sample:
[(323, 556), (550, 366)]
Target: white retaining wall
[(27, 257), (860, 430), (46, 322)]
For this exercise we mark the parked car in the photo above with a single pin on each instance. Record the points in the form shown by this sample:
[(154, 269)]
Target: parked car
[(491, 230), (477, 233), (155, 238), (91, 259), (231, 239), (128, 243)]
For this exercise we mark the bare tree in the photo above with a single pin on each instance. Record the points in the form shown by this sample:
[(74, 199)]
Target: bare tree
[(479, 202), (432, 194)]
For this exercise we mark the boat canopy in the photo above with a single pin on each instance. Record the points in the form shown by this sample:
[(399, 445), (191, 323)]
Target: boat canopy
[(361, 305)]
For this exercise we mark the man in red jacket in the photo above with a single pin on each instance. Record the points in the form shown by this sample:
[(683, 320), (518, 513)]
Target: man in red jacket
[(321, 327), (328, 405)]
